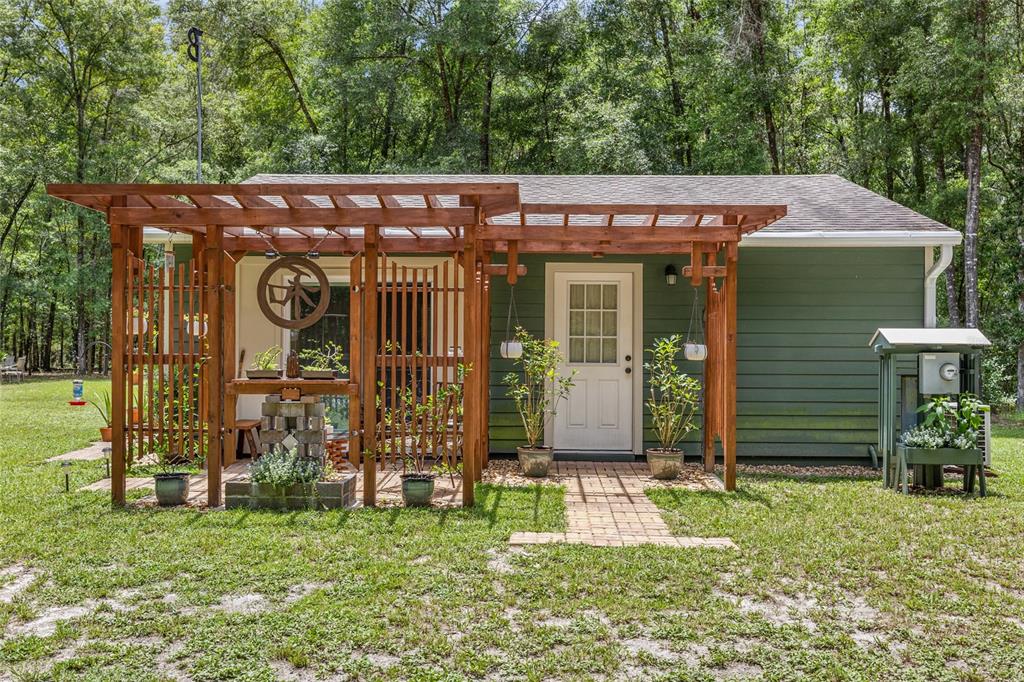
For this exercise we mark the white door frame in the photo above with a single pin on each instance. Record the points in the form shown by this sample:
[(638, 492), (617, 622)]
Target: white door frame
[(637, 270)]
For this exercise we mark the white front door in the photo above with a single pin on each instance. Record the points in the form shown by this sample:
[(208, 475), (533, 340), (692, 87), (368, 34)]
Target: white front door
[(593, 322)]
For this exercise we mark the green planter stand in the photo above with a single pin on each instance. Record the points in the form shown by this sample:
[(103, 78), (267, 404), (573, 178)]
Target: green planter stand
[(973, 462)]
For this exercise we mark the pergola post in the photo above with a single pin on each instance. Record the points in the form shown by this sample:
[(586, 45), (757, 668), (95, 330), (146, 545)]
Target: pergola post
[(368, 355), (213, 261), (230, 370), (712, 368), (118, 337), (471, 352), (729, 367), (485, 366)]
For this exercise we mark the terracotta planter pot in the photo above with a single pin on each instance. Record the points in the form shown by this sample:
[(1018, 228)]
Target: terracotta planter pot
[(535, 462), (665, 464), (171, 489), (107, 433), (417, 489)]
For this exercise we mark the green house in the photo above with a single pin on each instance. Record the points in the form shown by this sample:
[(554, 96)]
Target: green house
[(811, 287)]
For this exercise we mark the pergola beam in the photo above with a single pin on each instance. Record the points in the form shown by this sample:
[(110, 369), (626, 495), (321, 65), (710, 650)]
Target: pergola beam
[(659, 209), (293, 217), (578, 233)]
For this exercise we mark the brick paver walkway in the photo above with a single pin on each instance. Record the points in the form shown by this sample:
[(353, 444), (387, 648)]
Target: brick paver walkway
[(606, 507)]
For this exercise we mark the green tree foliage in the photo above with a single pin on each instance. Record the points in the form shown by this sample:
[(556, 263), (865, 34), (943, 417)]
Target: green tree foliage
[(919, 100)]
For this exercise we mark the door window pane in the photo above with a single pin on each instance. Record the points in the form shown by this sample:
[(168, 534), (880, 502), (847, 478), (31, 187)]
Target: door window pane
[(593, 322)]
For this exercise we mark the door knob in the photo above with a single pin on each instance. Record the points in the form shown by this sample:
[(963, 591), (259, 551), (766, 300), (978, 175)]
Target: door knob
[(629, 370)]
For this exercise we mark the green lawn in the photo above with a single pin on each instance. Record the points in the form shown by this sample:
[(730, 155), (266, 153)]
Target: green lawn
[(835, 579)]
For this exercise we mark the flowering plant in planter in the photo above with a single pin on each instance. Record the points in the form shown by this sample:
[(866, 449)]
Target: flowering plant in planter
[(536, 394), (673, 397), (282, 468), (947, 424), (947, 434)]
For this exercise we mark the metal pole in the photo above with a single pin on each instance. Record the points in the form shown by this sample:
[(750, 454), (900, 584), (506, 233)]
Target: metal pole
[(195, 53)]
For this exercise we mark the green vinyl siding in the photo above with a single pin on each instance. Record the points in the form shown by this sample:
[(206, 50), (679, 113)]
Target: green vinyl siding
[(807, 381)]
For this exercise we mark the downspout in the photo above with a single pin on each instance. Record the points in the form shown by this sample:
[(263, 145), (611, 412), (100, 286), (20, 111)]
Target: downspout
[(931, 276)]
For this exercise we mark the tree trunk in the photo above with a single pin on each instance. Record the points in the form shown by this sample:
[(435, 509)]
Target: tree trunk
[(973, 169), (772, 133), (683, 151), (485, 119), (279, 53), (952, 296), (46, 352), (890, 172), (758, 30)]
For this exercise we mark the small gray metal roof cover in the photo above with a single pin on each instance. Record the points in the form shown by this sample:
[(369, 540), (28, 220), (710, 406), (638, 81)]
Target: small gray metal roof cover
[(911, 340)]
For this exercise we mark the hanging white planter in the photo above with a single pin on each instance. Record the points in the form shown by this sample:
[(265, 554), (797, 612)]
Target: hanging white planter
[(511, 350), (695, 352), (198, 327), (139, 325)]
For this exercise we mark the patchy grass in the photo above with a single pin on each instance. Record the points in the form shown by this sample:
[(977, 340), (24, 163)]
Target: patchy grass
[(835, 579)]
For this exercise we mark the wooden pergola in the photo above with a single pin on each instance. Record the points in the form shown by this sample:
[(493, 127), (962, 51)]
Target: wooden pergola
[(469, 220)]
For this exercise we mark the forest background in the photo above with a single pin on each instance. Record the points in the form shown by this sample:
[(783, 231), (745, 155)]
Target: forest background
[(921, 101)]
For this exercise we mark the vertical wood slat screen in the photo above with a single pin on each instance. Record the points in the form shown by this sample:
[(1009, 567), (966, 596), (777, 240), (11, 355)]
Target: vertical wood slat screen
[(164, 373), (419, 352)]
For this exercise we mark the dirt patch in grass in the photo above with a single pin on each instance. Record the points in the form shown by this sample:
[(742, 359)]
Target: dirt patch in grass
[(242, 603), (46, 623), (14, 580), (499, 559), (738, 671), (303, 590)]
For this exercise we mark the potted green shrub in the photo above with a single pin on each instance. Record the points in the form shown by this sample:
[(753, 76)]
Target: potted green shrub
[(284, 479), (671, 402), (947, 434), (170, 481), (536, 395), (325, 363), (102, 404), (265, 364)]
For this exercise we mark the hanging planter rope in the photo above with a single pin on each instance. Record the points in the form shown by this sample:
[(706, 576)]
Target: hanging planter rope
[(510, 348), (696, 352)]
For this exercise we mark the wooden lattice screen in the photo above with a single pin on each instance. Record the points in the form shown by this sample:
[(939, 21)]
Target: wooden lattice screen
[(419, 360), (165, 356)]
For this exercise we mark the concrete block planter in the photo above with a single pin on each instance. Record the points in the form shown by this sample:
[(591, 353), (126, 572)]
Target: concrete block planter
[(322, 495)]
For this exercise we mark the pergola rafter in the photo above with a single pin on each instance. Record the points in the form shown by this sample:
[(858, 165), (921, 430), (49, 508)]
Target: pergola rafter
[(470, 220)]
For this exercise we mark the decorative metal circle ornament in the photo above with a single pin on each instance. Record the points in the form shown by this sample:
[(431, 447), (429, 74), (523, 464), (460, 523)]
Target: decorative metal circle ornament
[(293, 293)]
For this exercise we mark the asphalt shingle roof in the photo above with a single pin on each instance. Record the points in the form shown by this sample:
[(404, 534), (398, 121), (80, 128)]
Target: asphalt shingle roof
[(815, 202)]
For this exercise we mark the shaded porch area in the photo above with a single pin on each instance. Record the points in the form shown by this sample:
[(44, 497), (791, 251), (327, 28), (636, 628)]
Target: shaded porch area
[(177, 371)]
